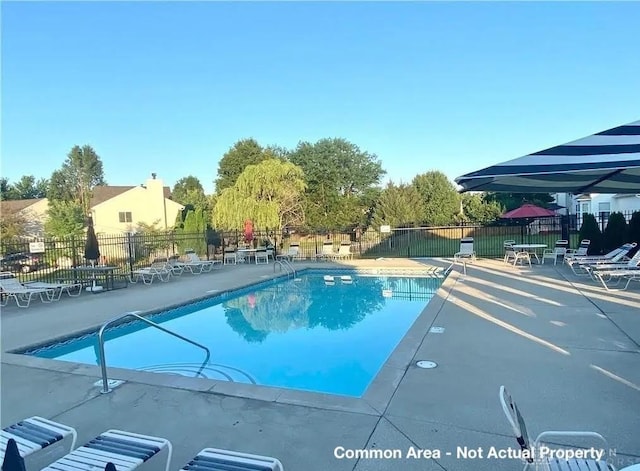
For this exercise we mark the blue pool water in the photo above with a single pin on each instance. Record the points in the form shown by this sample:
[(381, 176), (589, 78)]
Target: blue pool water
[(300, 334)]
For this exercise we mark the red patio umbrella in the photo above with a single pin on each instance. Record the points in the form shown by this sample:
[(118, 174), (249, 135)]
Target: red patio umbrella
[(528, 211), (248, 230)]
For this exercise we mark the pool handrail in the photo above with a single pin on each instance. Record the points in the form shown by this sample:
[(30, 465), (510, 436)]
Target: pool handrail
[(284, 264), (103, 360)]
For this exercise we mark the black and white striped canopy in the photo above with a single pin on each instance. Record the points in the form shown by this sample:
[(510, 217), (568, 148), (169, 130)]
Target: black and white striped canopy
[(606, 162)]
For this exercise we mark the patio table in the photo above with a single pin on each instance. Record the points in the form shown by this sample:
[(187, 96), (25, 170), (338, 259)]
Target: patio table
[(106, 271), (532, 249), (249, 253)]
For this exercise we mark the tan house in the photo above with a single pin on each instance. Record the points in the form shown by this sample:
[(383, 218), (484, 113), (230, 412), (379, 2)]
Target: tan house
[(32, 211), (115, 209)]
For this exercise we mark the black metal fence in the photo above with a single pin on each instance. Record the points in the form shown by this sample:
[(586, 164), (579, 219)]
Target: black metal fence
[(53, 259)]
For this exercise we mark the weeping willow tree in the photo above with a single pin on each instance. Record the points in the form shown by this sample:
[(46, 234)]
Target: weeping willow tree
[(269, 193)]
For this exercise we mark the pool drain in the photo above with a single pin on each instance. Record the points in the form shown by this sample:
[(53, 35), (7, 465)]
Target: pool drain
[(426, 364)]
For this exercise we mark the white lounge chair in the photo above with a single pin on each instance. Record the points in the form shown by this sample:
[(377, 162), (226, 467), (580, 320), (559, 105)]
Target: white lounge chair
[(206, 265), (550, 464), (10, 287), (292, 253), (72, 289), (157, 270), (327, 252), (578, 264), (558, 251), (126, 450), (344, 251), (466, 250), (35, 434), (614, 277), (216, 459)]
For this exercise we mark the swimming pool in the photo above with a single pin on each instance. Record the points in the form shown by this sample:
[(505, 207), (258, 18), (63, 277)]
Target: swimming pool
[(311, 333)]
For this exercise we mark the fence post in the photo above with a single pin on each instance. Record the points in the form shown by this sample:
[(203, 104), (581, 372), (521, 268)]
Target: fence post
[(130, 254), (74, 254)]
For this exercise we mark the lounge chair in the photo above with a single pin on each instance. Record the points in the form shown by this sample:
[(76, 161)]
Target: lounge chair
[(72, 289), (35, 434), (216, 459), (631, 263), (157, 270), (11, 287), (327, 251), (206, 265), (550, 464), (578, 265), (125, 450), (614, 277), (559, 251), (292, 253), (344, 251), (466, 250)]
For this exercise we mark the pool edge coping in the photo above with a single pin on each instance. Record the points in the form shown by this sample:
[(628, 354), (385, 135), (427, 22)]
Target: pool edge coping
[(374, 401)]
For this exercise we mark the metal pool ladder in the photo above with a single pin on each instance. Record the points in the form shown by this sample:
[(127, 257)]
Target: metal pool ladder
[(284, 264), (103, 360)]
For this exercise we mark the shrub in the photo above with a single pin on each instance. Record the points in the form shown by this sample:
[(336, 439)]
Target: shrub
[(616, 233), (590, 230)]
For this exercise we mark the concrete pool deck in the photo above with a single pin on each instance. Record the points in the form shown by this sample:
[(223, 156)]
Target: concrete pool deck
[(568, 351)]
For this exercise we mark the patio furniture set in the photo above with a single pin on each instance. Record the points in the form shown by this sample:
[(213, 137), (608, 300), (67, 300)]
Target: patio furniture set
[(164, 270)]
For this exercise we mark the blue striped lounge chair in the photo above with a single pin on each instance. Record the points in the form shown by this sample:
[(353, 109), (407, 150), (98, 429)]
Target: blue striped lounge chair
[(35, 434), (213, 459), (126, 450)]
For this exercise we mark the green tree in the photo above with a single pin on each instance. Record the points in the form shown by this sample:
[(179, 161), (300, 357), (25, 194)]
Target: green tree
[(476, 208), (188, 190), (269, 193), (439, 196), (398, 206), (243, 153), (339, 177), (28, 188), (7, 191), (80, 173), (591, 230), (511, 201), (12, 225), (616, 232), (65, 218)]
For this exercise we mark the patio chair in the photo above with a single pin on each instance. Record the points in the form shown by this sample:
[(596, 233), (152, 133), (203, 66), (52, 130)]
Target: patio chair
[(344, 251), (327, 251), (229, 257), (509, 251), (466, 250), (157, 270), (206, 265), (549, 464), (292, 253), (10, 287), (558, 251), (582, 249), (125, 450), (217, 459), (34, 435), (261, 256)]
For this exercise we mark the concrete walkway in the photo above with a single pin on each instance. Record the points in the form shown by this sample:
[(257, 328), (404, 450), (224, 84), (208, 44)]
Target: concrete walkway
[(568, 351)]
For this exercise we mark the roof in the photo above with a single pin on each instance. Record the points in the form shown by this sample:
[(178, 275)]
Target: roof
[(104, 193), (13, 206)]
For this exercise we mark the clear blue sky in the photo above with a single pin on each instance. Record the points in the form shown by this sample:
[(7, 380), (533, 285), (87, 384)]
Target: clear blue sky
[(169, 87)]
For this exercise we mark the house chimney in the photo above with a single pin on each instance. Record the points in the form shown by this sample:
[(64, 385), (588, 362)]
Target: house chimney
[(153, 175)]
